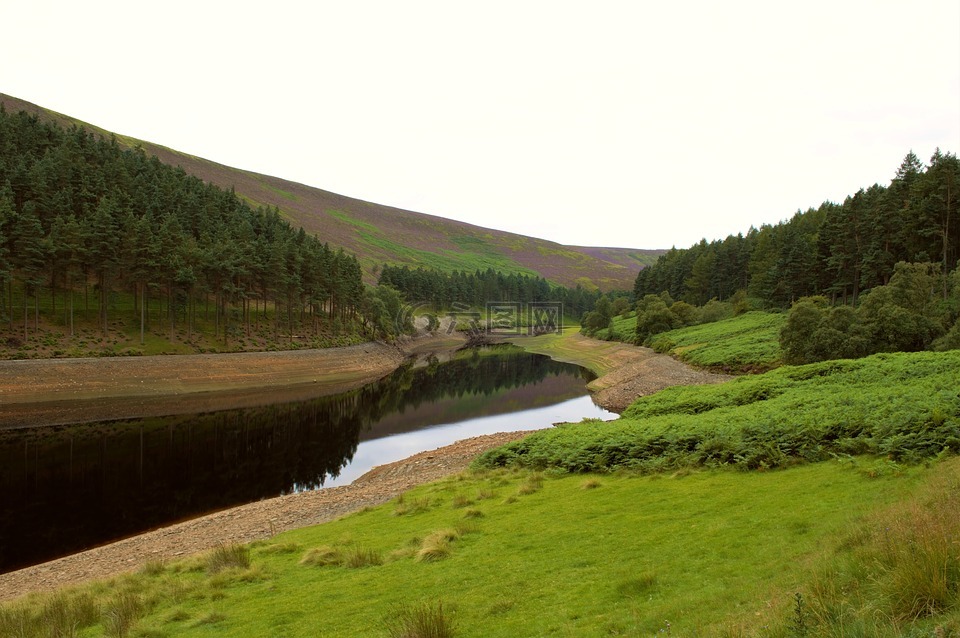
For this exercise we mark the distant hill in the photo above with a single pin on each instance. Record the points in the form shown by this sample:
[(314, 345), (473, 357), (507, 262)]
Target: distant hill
[(380, 234)]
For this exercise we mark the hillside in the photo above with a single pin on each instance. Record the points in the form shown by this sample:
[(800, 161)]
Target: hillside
[(380, 234)]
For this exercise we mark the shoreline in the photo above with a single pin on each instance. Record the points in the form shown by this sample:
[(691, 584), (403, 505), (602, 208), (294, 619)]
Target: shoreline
[(627, 373), (66, 391)]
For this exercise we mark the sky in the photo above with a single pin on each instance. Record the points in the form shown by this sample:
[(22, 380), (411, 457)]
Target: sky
[(602, 123)]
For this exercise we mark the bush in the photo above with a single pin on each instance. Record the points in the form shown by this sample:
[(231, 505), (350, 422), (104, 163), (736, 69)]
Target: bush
[(740, 303), (686, 314), (816, 332), (653, 317), (894, 324), (904, 316), (714, 310), (950, 341)]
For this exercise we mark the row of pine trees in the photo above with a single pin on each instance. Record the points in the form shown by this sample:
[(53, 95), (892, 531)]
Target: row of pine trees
[(444, 291), (82, 216), (835, 250)]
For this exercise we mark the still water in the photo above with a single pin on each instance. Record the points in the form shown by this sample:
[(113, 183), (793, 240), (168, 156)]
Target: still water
[(67, 488)]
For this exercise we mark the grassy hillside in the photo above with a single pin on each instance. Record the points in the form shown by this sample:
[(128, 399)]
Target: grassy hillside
[(380, 234), (749, 342), (746, 343), (714, 553), (902, 406)]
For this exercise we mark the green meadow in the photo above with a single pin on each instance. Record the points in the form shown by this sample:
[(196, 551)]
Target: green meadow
[(508, 553)]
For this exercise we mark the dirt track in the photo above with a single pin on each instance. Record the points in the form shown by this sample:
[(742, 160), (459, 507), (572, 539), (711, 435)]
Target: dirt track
[(633, 372)]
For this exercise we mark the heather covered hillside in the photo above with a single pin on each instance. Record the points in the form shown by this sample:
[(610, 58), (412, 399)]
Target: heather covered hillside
[(380, 234)]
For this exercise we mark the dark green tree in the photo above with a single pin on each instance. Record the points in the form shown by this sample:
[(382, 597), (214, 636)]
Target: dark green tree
[(654, 317)]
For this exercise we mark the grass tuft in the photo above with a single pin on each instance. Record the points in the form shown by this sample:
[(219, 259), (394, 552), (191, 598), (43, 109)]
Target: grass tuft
[(485, 494), (461, 501), (904, 560), (359, 556), (590, 484), (325, 556), (425, 620), (228, 556), (532, 484), (281, 548), (405, 507), (212, 618), (153, 568), (178, 615), (63, 616), (122, 614)]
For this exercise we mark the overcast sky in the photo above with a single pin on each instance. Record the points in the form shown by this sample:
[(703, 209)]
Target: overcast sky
[(629, 123)]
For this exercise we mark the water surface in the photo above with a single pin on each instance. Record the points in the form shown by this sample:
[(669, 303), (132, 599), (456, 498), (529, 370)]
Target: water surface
[(68, 488)]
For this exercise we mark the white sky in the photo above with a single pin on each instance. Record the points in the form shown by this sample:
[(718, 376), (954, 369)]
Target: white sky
[(635, 124)]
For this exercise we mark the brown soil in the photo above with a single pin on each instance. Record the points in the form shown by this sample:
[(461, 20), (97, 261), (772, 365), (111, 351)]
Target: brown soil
[(642, 373), (52, 391), (35, 389)]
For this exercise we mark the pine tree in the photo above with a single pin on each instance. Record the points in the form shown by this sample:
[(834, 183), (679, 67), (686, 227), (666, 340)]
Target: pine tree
[(934, 201), (101, 246), (29, 257)]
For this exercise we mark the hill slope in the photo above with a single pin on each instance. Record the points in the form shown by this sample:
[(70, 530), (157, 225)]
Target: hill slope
[(381, 234)]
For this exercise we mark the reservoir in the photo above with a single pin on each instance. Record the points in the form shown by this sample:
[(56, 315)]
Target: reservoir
[(67, 488)]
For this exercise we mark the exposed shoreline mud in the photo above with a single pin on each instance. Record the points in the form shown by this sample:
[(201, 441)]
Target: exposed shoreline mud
[(56, 391)]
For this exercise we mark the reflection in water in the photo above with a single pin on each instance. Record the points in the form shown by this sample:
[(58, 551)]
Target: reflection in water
[(66, 488)]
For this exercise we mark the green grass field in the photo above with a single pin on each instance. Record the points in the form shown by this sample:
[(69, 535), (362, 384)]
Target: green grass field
[(516, 554)]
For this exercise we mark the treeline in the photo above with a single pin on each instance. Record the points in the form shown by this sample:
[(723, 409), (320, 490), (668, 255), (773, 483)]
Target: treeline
[(909, 314), (80, 214), (836, 250), (445, 290)]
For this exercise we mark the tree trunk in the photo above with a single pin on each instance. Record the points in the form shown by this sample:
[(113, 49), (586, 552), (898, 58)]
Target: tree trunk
[(103, 303), (946, 243), (190, 306), (143, 312), (24, 312), (53, 295)]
